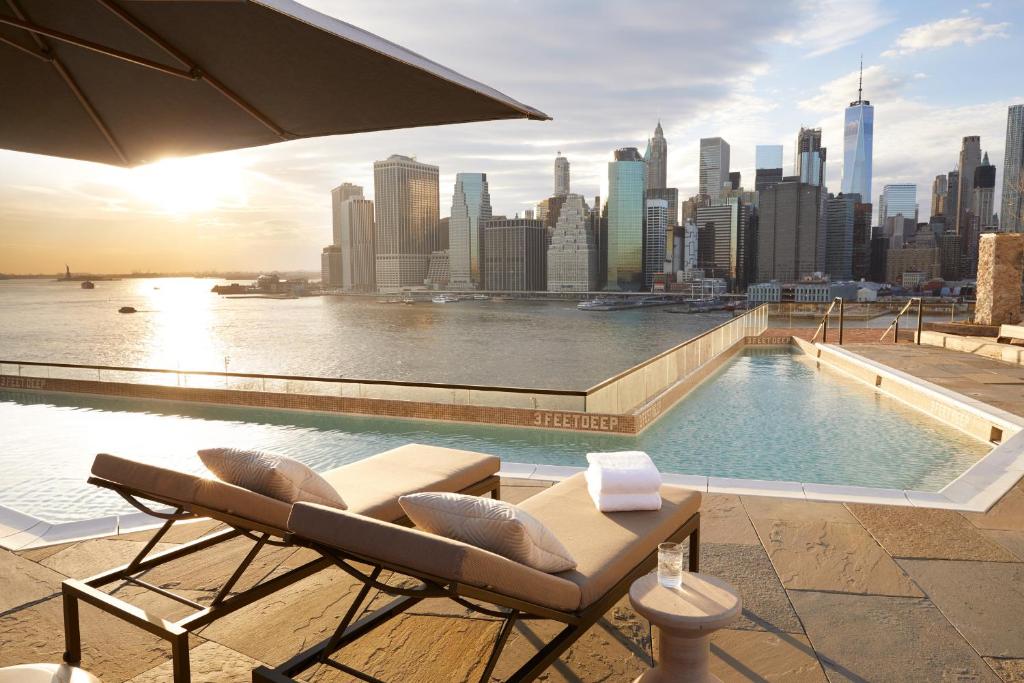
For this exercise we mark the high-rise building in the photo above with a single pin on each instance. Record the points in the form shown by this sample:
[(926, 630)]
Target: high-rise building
[(714, 166), (861, 240), (471, 205), (514, 255), (735, 180), (572, 255), (358, 245), (858, 140), (768, 166), (724, 243), (809, 157), (599, 229), (408, 218), (690, 249), (561, 175), (984, 194), (970, 158), (670, 195), (952, 206), (940, 190), (655, 225), (791, 231), (840, 217), (656, 157), (898, 199), (339, 195), (950, 256), (330, 267), (627, 174), (1011, 213)]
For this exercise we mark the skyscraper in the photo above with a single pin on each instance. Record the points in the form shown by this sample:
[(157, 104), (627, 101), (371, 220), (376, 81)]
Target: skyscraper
[(358, 251), (655, 225), (670, 195), (408, 217), (940, 190), (1012, 211), (561, 175), (809, 157), (970, 158), (339, 195), (330, 267), (656, 157), (768, 166), (898, 199), (840, 217), (952, 199), (714, 166), (572, 256), (514, 255), (791, 232), (471, 204), (627, 174), (858, 140), (984, 194), (723, 240), (861, 240)]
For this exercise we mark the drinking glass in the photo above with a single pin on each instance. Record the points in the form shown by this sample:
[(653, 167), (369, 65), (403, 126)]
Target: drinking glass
[(670, 564)]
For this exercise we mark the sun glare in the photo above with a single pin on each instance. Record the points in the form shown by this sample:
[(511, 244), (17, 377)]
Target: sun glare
[(185, 186)]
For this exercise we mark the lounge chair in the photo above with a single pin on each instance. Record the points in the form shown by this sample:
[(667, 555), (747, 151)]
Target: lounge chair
[(370, 487), (612, 550)]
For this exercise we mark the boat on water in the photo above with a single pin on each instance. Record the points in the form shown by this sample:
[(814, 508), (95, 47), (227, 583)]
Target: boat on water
[(445, 299), (88, 284), (127, 309), (481, 297)]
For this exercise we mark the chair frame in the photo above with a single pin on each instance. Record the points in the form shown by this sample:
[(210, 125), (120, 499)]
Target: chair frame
[(509, 609), (224, 602)]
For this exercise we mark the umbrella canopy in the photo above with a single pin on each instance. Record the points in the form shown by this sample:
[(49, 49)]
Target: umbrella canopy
[(128, 82)]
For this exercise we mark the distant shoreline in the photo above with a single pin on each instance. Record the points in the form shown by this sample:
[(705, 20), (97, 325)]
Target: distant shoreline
[(232, 275)]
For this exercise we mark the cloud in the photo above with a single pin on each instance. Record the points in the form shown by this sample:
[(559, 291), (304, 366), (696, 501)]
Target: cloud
[(962, 30), (828, 25), (880, 83)]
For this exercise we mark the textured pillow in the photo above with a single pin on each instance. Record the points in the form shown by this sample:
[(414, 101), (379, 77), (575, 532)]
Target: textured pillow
[(490, 524), (271, 474)]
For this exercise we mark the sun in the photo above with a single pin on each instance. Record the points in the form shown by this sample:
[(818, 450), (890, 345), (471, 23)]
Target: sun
[(189, 185)]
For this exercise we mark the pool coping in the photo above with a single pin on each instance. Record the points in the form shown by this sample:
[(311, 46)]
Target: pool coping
[(975, 490)]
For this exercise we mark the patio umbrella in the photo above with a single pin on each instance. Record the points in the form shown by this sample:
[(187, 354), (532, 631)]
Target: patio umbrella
[(127, 82)]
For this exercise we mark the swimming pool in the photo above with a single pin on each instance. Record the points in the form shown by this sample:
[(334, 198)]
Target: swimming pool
[(768, 413)]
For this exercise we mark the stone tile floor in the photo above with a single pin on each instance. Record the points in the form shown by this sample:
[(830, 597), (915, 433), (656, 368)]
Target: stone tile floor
[(832, 592)]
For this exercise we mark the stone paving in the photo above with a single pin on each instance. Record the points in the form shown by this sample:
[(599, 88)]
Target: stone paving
[(831, 592)]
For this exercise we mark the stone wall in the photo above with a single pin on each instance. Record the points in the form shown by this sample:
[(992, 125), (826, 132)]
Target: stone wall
[(1000, 273)]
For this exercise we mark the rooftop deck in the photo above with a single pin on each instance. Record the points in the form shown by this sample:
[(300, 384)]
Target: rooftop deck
[(837, 592)]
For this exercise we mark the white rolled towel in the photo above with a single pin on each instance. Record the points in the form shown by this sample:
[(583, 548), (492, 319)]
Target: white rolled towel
[(622, 473), (626, 502)]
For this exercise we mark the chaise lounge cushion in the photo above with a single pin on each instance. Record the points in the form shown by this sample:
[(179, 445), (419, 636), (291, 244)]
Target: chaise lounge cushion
[(271, 474), (372, 486), (490, 524), (606, 545), (435, 556)]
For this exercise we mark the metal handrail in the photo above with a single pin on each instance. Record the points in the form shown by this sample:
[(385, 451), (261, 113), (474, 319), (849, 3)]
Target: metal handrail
[(823, 325), (895, 324)]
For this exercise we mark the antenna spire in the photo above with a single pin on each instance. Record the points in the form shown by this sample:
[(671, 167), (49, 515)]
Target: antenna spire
[(860, 80)]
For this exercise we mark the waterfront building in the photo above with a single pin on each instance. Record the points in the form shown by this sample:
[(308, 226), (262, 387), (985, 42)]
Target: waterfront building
[(439, 270), (791, 231), (1011, 212), (858, 141), (724, 242), (970, 159), (940, 190), (655, 226), (471, 204), (514, 255), (339, 196), (408, 220), (984, 195), (809, 157), (627, 174), (767, 166), (714, 166), (840, 213), (898, 199), (330, 267), (656, 158), (561, 176), (861, 240), (572, 255), (920, 254)]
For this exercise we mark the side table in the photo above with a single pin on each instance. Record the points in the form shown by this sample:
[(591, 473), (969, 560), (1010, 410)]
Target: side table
[(685, 617)]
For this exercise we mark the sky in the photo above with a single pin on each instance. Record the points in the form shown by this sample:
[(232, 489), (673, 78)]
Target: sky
[(607, 71)]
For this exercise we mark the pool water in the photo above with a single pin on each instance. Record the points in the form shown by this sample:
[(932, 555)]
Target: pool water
[(768, 413)]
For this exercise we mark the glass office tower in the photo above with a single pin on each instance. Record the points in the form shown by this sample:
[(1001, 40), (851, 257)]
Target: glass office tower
[(627, 177), (858, 138)]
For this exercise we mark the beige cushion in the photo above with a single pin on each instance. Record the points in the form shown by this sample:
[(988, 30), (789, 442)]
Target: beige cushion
[(372, 486), (271, 474), (607, 545), (428, 554), (490, 524)]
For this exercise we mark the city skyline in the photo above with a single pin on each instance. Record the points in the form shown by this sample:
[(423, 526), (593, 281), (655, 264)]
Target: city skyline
[(256, 208)]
